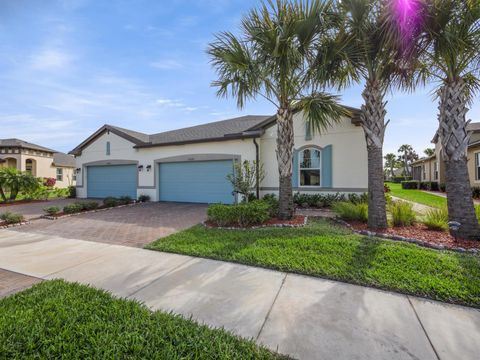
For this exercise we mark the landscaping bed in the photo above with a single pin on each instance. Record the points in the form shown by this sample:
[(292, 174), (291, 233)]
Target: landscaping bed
[(297, 221), (331, 251), (55, 319), (438, 239)]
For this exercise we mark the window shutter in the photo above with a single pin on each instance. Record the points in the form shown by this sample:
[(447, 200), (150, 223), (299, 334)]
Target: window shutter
[(327, 167), (295, 169), (308, 132)]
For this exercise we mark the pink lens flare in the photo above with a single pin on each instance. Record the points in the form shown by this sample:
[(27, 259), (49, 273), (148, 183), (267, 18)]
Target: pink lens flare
[(409, 17)]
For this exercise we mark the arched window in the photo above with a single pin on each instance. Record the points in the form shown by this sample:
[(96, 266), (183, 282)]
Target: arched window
[(309, 162)]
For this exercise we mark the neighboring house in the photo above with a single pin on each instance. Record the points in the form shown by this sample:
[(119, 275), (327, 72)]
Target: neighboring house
[(191, 164), (432, 168), (38, 160)]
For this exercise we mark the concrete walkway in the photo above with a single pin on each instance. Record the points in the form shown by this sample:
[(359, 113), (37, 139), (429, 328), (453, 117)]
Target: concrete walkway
[(308, 318), (444, 195), (418, 208)]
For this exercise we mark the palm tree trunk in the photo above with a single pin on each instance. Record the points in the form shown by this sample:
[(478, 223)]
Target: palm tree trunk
[(285, 160), (373, 123), (454, 139)]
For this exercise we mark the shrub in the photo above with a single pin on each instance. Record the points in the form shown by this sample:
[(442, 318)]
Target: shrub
[(402, 213), (61, 193), (429, 185), (72, 208), (317, 200), (410, 185), (111, 201), (436, 219), (386, 188), (399, 179), (72, 192), (36, 193), (272, 201), (124, 200), (476, 192), (477, 211), (49, 182), (12, 218), (144, 198), (52, 210), (358, 199), (244, 214), (442, 187), (87, 205), (351, 212)]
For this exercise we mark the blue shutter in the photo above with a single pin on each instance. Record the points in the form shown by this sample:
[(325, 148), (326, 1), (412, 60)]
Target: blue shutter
[(327, 167), (308, 132), (295, 169)]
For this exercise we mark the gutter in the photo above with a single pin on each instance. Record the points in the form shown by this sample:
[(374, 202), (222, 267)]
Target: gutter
[(257, 168)]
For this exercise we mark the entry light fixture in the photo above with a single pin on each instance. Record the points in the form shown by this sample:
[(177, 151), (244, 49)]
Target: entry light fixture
[(78, 170), (140, 167), (149, 167)]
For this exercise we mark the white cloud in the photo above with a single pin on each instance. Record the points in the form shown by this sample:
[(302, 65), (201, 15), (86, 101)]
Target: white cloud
[(170, 103), (50, 59), (166, 64)]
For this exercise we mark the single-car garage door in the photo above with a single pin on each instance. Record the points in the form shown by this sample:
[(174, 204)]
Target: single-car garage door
[(112, 180), (200, 182)]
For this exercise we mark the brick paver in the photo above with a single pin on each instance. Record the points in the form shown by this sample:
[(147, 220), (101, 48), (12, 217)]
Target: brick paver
[(12, 282), (135, 225), (34, 210)]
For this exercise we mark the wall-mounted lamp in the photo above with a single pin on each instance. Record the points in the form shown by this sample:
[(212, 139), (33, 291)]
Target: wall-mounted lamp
[(140, 167), (78, 170), (149, 167)]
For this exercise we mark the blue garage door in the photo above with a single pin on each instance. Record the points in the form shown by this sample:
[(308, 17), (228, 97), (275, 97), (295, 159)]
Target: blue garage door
[(200, 182), (112, 180)]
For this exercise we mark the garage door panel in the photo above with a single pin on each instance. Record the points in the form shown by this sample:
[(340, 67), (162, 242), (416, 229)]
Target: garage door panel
[(118, 180), (202, 182)]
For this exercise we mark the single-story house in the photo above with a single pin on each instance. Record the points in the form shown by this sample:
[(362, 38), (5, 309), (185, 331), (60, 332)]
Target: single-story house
[(38, 160), (191, 164), (432, 168)]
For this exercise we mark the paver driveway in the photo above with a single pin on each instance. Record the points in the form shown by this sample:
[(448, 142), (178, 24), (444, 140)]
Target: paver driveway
[(135, 225), (34, 210), (12, 282)]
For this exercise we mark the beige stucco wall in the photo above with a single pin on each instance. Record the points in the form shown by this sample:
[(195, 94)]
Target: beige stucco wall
[(349, 155), (42, 167), (471, 165)]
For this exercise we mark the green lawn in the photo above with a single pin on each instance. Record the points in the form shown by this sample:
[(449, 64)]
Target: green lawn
[(55, 319), (417, 196), (326, 250)]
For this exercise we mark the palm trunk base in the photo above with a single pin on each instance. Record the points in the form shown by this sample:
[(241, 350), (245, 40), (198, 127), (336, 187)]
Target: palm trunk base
[(285, 197), (459, 197), (377, 216)]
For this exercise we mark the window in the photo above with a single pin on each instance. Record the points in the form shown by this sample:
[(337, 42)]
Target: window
[(424, 173), (59, 174), (108, 148), (29, 166), (435, 170), (308, 132), (309, 167), (477, 165)]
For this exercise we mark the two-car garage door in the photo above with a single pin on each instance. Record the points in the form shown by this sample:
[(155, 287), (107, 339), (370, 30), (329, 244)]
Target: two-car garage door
[(200, 181), (112, 180)]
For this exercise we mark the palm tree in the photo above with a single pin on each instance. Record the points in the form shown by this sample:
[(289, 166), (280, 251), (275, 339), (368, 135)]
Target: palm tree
[(272, 59), (429, 152), (391, 163), (378, 62), (407, 156), (453, 60)]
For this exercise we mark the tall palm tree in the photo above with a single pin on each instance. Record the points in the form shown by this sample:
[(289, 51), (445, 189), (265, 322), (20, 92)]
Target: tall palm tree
[(272, 59), (453, 60), (382, 63), (407, 156), (391, 163)]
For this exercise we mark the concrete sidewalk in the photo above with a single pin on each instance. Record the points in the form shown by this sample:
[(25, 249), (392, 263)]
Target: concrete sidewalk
[(308, 318)]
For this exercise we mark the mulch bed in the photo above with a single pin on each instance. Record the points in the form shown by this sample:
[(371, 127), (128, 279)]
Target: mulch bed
[(420, 232), (297, 221)]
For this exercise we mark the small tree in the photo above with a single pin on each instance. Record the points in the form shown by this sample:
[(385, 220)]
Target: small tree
[(246, 176), (13, 181)]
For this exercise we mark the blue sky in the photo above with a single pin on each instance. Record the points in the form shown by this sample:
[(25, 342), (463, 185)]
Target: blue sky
[(69, 66)]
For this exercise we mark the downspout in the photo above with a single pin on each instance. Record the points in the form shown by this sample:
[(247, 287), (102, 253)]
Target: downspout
[(257, 167)]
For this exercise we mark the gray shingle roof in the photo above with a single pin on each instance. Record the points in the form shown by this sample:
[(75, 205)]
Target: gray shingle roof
[(214, 130), (63, 160), (23, 144)]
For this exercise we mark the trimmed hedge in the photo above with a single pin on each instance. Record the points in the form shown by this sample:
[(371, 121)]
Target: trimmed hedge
[(429, 186), (399, 179), (245, 214), (72, 208), (12, 218), (52, 210), (410, 185)]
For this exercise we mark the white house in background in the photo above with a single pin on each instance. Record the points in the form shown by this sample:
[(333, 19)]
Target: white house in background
[(191, 164)]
